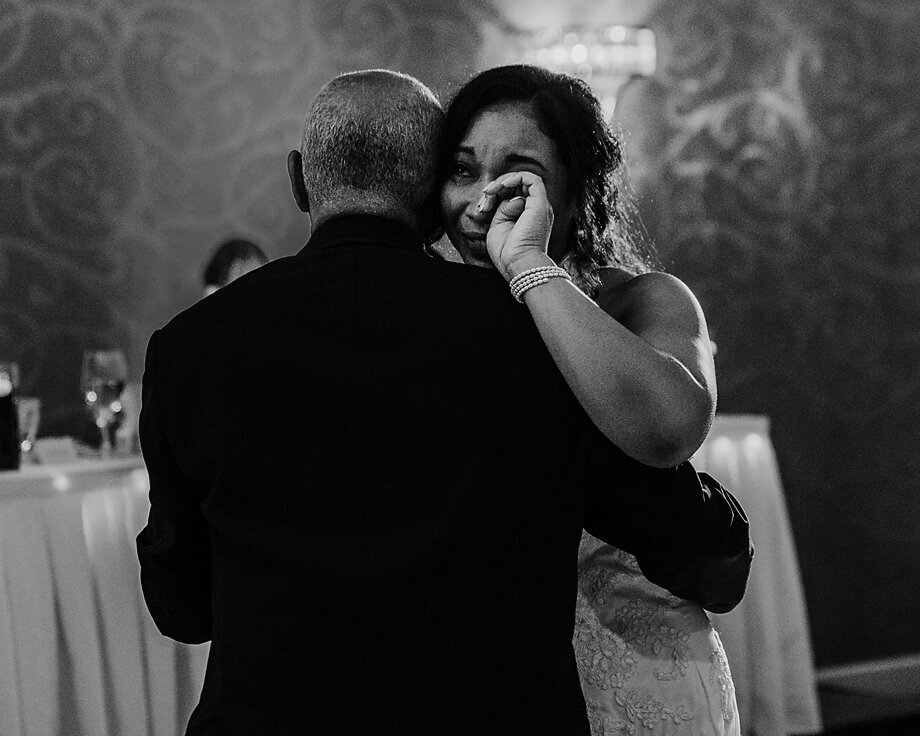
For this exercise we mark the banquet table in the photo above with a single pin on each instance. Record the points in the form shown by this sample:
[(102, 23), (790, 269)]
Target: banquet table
[(766, 637), (80, 656)]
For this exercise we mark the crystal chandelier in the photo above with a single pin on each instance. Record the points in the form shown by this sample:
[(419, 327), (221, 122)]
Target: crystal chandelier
[(604, 57)]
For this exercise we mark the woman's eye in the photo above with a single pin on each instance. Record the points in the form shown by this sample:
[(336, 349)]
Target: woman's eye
[(460, 170)]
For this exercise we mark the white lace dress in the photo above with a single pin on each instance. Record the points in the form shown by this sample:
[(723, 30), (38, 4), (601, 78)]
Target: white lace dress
[(651, 664)]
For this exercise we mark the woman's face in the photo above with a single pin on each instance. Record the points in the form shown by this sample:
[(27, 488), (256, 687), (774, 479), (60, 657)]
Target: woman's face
[(501, 139)]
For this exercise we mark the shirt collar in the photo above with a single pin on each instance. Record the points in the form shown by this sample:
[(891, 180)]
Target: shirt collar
[(364, 229)]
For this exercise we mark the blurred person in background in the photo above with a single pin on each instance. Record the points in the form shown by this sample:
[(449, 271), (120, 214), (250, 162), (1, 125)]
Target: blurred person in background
[(230, 260)]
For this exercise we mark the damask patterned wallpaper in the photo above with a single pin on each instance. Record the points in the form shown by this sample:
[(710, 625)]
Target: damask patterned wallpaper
[(137, 135), (775, 154)]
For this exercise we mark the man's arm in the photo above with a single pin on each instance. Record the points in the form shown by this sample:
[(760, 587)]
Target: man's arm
[(688, 533), (174, 548)]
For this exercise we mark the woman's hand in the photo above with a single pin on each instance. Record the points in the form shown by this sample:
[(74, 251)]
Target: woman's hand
[(519, 232), (638, 359)]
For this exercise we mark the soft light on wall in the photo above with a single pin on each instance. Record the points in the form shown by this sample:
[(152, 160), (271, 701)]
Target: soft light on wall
[(604, 57)]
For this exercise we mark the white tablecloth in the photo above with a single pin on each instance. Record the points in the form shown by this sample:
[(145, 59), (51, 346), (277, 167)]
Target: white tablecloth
[(766, 638), (79, 654)]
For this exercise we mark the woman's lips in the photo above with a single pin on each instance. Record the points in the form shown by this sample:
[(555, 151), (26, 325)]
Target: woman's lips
[(476, 240)]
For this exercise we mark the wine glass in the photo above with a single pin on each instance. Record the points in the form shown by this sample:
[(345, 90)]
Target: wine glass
[(102, 381), (29, 410)]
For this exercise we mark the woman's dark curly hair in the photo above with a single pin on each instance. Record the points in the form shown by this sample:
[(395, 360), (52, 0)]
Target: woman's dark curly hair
[(570, 115)]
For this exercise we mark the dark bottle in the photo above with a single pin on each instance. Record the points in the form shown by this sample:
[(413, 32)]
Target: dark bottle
[(9, 420)]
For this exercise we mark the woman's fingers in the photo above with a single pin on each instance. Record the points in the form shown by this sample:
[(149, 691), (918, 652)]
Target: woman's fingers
[(489, 200), (516, 184), (486, 202), (512, 208), (511, 182)]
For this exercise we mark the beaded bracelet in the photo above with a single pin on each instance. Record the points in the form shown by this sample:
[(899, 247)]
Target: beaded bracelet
[(534, 277)]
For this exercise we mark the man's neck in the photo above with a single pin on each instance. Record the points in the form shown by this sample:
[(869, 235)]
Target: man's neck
[(319, 215)]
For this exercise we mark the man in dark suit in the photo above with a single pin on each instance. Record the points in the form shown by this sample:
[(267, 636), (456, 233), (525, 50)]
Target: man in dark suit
[(368, 478)]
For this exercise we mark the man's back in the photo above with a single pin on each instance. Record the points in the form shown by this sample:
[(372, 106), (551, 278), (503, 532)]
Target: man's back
[(386, 542)]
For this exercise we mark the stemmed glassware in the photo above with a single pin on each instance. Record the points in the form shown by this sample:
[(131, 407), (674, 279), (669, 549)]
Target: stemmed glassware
[(29, 410), (102, 381)]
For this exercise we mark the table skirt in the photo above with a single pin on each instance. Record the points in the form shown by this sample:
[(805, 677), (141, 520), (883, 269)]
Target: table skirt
[(766, 637), (79, 654)]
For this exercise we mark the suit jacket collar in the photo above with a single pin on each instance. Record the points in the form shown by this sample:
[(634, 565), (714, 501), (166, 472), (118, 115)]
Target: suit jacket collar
[(363, 229)]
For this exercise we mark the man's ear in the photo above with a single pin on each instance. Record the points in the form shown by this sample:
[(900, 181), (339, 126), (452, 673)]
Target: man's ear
[(295, 172)]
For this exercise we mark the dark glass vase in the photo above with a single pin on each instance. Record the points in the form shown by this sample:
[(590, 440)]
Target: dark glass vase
[(9, 420)]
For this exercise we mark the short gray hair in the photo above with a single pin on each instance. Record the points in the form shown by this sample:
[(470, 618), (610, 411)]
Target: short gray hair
[(371, 138)]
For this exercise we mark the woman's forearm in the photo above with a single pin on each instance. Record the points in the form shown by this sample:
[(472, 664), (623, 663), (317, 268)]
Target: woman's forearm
[(646, 378), (643, 399)]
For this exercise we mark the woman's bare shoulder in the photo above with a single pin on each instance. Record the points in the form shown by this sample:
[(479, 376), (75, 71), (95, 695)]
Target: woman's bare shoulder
[(626, 296)]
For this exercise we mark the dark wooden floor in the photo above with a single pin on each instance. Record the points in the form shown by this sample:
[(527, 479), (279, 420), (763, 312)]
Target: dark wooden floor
[(909, 726), (848, 713)]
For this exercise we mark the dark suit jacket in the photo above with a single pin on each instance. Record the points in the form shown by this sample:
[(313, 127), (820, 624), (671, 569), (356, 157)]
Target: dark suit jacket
[(368, 482)]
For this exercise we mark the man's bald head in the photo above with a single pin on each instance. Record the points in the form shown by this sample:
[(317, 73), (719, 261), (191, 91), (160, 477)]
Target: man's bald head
[(370, 145)]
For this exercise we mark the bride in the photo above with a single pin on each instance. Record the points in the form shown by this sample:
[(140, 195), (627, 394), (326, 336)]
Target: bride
[(633, 345)]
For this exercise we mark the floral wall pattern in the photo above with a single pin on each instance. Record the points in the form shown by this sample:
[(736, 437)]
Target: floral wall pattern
[(776, 157), (137, 135), (778, 161)]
